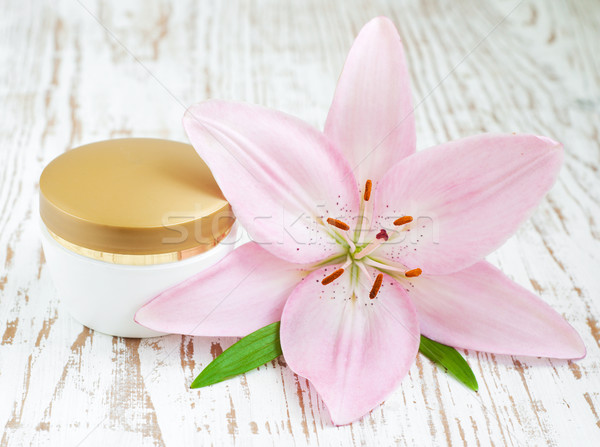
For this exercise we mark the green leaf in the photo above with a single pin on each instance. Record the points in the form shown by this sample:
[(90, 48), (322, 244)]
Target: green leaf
[(250, 352), (263, 345), (451, 360)]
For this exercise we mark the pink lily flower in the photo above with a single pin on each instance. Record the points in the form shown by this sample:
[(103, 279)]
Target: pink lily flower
[(359, 242)]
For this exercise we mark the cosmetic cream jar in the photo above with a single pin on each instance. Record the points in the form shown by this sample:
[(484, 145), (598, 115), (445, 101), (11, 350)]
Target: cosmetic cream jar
[(123, 220)]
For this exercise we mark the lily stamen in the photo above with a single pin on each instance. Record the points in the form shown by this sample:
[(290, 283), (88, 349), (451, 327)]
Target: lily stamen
[(413, 273), (344, 227), (403, 220), (338, 224), (363, 269), (382, 266), (376, 286), (339, 272), (373, 245), (365, 211), (368, 187), (393, 268), (349, 242)]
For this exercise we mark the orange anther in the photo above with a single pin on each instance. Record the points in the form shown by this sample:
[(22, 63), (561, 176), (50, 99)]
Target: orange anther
[(368, 187), (338, 224), (376, 286), (335, 275), (403, 220), (412, 273)]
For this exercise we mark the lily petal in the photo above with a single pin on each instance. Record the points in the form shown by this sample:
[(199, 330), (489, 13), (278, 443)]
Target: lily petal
[(371, 118), (354, 350), (280, 175), (466, 197), (480, 308), (242, 293)]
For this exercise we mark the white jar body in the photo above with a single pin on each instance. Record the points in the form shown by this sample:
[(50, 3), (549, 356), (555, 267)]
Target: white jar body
[(105, 296)]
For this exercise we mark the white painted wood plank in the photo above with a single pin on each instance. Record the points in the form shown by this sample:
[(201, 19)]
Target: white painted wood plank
[(67, 79)]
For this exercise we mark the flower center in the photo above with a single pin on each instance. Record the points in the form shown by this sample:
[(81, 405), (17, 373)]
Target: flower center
[(359, 252)]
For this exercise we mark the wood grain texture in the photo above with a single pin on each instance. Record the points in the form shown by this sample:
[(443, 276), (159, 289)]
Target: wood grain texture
[(75, 72)]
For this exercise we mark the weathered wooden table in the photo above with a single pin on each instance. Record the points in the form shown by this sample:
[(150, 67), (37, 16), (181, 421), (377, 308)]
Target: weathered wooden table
[(73, 72)]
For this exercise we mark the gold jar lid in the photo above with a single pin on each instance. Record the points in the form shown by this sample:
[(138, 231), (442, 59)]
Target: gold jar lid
[(133, 197)]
